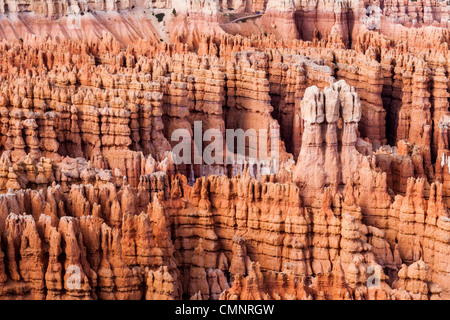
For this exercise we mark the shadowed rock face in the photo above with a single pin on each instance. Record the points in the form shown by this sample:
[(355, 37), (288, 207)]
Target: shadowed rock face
[(94, 205)]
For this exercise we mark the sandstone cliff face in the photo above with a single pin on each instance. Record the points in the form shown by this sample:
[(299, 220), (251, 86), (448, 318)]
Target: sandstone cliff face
[(129, 255), (93, 204)]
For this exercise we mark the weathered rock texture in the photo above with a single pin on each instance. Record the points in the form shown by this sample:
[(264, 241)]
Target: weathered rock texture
[(95, 205)]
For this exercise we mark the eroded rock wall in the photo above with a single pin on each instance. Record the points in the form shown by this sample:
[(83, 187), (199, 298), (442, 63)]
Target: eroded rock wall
[(94, 205)]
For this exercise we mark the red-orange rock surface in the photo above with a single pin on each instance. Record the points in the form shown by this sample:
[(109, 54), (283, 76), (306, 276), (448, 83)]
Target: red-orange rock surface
[(94, 205)]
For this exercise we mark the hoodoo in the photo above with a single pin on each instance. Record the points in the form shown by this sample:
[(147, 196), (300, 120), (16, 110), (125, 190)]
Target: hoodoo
[(240, 149)]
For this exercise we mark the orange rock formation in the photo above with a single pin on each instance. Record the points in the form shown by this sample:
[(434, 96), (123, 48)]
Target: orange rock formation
[(93, 204)]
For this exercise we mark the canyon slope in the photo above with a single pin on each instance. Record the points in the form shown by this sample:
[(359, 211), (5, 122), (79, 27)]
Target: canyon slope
[(95, 205)]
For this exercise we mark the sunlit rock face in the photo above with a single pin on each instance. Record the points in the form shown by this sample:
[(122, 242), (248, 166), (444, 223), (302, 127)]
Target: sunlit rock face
[(350, 98)]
